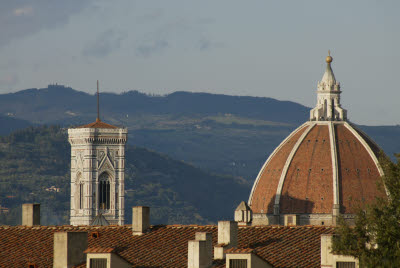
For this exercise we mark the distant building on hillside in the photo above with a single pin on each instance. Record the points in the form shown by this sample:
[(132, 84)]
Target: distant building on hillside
[(4, 210)]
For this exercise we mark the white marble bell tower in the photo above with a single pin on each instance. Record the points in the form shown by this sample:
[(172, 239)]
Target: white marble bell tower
[(97, 172)]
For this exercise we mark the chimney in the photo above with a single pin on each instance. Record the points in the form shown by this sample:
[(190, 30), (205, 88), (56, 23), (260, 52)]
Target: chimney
[(227, 238), (69, 248), (326, 256), (243, 214), (227, 233), (200, 251), (140, 219), (30, 214)]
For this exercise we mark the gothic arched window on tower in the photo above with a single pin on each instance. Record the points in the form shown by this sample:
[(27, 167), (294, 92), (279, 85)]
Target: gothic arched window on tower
[(79, 192), (81, 196), (104, 191)]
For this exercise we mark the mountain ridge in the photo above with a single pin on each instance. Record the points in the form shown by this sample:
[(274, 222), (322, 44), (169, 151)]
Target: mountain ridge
[(66, 98), (219, 133)]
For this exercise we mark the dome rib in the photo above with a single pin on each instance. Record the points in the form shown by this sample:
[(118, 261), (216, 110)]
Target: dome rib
[(269, 184), (307, 186), (334, 157), (324, 168), (320, 168), (287, 164), (366, 142), (358, 169)]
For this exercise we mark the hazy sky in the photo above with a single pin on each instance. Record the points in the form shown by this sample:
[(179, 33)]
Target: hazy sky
[(259, 48)]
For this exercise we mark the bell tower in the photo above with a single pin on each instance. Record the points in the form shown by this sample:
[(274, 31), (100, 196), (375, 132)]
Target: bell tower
[(97, 172)]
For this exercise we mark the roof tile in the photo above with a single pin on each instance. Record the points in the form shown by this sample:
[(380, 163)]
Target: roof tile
[(97, 124), (164, 245)]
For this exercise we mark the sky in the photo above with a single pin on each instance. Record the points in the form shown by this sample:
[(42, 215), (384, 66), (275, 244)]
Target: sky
[(255, 48)]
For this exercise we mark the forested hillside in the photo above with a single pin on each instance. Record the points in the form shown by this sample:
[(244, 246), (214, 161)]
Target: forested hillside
[(59, 103), (35, 159), (218, 133)]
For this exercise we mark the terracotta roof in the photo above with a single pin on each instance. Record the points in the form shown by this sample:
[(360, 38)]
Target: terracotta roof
[(308, 180), (97, 124), (163, 246), (82, 265), (239, 250), (99, 250)]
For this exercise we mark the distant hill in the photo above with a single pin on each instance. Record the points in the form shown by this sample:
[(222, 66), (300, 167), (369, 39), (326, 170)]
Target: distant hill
[(9, 124), (387, 137), (59, 103), (224, 134), (35, 159), (219, 133)]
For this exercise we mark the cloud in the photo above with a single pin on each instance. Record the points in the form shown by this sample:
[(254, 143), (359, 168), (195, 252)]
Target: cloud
[(206, 44), (150, 16), (8, 64), (26, 10), (9, 80), (176, 32), (105, 43), (21, 18), (147, 49)]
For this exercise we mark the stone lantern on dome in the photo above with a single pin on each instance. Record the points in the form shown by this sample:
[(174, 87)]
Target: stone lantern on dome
[(325, 168)]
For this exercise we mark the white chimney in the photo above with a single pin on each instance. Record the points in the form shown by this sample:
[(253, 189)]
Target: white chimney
[(140, 219), (69, 248), (227, 238), (30, 214), (200, 251), (227, 233)]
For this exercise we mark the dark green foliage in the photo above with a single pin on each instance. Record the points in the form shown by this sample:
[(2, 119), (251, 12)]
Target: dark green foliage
[(375, 238), (32, 160), (188, 193), (223, 134), (216, 147), (37, 158)]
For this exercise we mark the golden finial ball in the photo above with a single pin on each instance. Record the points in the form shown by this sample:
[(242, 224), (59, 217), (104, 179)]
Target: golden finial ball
[(329, 59)]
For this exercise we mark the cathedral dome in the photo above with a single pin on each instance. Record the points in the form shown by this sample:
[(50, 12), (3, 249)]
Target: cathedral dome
[(324, 168)]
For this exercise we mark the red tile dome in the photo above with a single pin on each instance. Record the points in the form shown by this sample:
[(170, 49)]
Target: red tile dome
[(325, 167), (318, 165)]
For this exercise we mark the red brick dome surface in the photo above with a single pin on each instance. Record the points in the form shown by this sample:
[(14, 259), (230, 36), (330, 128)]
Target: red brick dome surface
[(318, 165)]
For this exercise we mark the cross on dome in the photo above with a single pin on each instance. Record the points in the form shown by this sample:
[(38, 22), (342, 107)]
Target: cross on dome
[(328, 106)]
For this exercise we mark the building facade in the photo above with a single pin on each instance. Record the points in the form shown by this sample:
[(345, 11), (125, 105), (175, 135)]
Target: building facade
[(97, 173)]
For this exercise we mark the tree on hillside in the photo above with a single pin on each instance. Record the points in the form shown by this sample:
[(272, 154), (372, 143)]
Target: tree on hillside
[(375, 238)]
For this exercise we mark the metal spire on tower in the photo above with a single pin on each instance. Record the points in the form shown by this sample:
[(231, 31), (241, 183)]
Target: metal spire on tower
[(98, 101)]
